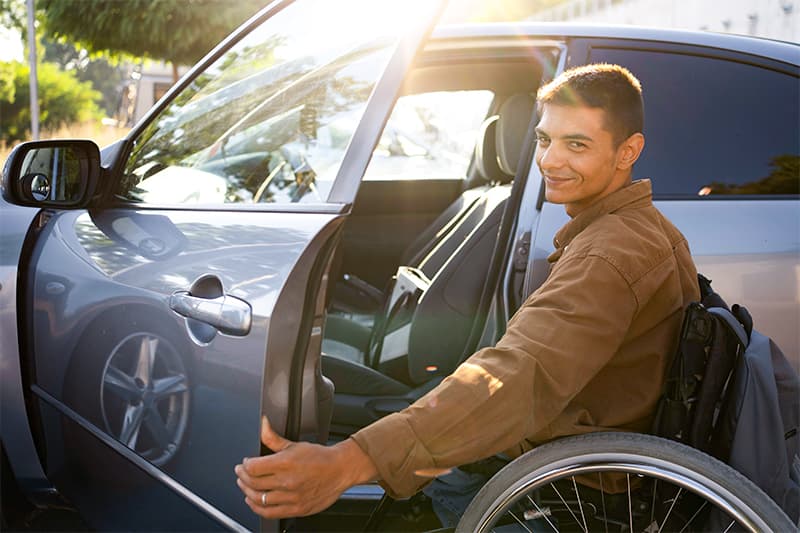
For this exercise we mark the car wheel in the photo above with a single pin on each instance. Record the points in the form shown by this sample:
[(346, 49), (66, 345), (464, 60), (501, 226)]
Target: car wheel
[(129, 379)]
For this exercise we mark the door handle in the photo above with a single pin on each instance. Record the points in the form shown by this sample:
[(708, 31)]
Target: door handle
[(227, 314)]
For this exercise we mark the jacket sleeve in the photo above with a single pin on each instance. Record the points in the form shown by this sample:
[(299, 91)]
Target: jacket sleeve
[(553, 346)]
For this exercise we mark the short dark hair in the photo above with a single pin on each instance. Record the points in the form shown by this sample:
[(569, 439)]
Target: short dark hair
[(611, 88)]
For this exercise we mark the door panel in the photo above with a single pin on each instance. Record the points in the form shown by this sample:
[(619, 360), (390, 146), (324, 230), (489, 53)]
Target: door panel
[(106, 311)]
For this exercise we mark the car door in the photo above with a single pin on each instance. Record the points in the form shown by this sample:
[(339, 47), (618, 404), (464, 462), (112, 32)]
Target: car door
[(162, 322), (722, 151)]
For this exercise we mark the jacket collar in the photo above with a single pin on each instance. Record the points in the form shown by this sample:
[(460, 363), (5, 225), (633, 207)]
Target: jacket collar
[(637, 194)]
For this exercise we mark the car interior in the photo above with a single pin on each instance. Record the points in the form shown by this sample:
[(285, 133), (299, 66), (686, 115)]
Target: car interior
[(415, 252)]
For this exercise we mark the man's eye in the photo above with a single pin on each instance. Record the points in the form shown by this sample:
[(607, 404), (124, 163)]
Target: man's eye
[(577, 145), (543, 141)]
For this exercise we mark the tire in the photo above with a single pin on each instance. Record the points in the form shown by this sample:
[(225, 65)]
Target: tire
[(105, 386), (675, 485)]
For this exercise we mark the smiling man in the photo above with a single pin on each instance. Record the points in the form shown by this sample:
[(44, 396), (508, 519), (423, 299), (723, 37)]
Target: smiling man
[(587, 351)]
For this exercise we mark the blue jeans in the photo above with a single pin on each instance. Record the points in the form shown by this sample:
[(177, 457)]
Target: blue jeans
[(452, 493)]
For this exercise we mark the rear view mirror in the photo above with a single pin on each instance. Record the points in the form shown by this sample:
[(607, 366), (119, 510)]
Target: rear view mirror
[(60, 173)]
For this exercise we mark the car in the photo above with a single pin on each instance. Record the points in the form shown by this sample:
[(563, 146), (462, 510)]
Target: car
[(326, 215)]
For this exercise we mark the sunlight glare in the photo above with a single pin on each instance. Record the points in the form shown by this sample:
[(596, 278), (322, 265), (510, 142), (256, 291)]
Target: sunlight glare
[(330, 22)]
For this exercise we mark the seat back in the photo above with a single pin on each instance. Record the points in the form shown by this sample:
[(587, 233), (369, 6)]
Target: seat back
[(458, 264), (438, 235)]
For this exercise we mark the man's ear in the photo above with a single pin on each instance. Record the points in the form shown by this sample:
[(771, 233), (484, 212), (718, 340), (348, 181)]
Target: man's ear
[(628, 152)]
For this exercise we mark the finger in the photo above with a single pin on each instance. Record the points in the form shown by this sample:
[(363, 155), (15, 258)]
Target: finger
[(275, 511), (272, 440), (257, 482), (273, 497)]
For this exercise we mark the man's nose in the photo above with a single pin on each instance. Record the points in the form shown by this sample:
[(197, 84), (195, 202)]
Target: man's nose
[(550, 157)]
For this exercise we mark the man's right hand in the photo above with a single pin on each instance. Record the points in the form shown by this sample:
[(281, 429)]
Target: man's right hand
[(300, 478)]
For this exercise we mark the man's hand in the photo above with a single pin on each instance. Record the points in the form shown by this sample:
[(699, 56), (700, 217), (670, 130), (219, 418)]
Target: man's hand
[(300, 478)]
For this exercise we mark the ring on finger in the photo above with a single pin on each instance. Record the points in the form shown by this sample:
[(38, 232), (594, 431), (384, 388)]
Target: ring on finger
[(264, 499)]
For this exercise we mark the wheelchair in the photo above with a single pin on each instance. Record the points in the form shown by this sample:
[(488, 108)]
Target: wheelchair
[(665, 486), (632, 482)]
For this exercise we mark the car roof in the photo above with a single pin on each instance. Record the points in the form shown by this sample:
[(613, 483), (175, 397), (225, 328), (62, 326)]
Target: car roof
[(779, 50)]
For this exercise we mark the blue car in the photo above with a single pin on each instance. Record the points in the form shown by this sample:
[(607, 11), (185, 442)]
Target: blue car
[(322, 219)]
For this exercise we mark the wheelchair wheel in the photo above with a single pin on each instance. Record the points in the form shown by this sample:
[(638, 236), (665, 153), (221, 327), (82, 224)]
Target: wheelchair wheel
[(620, 482)]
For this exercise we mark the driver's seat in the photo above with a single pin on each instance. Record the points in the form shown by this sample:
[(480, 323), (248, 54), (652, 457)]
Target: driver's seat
[(462, 257)]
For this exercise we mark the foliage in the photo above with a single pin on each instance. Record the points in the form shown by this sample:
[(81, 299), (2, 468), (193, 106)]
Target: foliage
[(178, 32), (784, 179), (63, 99), (7, 89), (12, 14), (104, 76)]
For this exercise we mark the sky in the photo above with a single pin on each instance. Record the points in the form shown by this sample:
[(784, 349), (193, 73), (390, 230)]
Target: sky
[(10, 45), (457, 11)]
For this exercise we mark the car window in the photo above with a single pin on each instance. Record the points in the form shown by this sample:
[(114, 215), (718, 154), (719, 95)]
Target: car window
[(270, 120), (430, 136), (714, 126)]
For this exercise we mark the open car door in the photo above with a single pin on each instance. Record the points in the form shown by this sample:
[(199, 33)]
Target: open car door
[(185, 299)]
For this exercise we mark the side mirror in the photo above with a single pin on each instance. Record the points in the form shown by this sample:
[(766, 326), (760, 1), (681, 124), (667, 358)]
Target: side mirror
[(61, 173)]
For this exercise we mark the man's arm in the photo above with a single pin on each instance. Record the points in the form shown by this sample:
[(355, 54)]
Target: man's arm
[(561, 337)]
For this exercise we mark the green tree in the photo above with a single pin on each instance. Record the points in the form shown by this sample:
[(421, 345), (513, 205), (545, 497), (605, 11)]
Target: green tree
[(105, 75), (783, 179), (12, 14), (177, 32), (63, 100)]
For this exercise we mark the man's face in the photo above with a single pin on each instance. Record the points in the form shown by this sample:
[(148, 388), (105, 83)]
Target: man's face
[(578, 158)]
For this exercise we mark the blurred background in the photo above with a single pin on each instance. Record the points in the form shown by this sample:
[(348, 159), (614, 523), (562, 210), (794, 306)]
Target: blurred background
[(101, 64)]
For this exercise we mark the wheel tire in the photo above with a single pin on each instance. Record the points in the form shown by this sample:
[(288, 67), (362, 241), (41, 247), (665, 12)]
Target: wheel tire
[(109, 350), (611, 452)]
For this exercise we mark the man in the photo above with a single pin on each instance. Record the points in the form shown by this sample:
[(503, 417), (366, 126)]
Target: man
[(586, 352)]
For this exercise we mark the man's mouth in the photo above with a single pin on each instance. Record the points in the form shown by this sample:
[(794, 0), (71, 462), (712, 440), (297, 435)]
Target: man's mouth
[(556, 179)]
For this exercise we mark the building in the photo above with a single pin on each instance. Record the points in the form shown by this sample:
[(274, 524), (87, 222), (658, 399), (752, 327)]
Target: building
[(149, 81), (774, 19)]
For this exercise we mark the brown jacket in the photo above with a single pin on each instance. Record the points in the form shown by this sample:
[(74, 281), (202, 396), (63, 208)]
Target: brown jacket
[(586, 352)]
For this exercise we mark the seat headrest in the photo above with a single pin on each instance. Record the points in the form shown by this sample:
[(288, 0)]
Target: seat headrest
[(486, 152), (516, 114)]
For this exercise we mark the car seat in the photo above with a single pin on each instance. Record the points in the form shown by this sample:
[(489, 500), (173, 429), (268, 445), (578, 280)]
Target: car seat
[(455, 259)]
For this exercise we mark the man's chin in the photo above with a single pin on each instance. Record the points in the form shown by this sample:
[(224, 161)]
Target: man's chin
[(555, 197)]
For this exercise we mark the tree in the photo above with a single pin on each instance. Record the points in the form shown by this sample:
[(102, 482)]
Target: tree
[(63, 98), (12, 14), (783, 179), (177, 32), (105, 76)]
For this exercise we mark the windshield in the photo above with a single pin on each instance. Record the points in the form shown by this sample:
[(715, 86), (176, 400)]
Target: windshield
[(271, 119)]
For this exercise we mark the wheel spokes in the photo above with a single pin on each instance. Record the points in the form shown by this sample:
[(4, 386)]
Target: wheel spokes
[(121, 385), (568, 508), (693, 517), (157, 428), (145, 360), (168, 386), (131, 423), (542, 513), (580, 504), (671, 507)]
